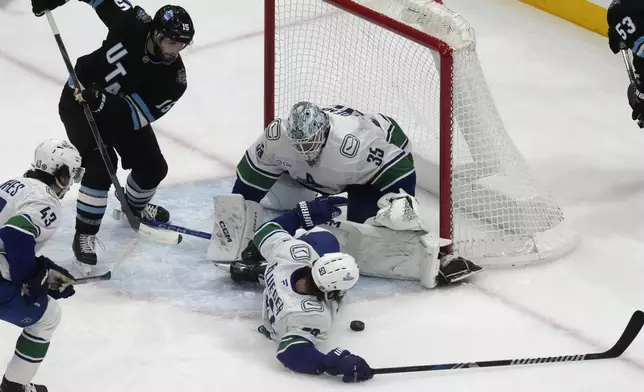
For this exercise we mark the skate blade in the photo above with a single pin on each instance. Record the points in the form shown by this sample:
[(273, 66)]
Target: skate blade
[(224, 266), (465, 276)]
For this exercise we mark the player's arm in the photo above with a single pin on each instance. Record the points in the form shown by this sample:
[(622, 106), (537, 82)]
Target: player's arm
[(20, 233), (136, 110), (272, 234), (114, 12), (256, 171), (297, 349), (389, 168)]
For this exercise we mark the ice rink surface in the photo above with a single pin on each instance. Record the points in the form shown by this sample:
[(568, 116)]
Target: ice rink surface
[(170, 321)]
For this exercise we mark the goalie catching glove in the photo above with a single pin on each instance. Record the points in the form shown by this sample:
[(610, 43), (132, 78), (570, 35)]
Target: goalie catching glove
[(399, 211)]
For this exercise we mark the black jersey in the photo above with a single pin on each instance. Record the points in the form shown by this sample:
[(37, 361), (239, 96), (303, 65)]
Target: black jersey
[(626, 29), (142, 89)]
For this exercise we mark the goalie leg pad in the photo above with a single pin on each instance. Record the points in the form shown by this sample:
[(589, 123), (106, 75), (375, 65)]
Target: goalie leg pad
[(235, 222)]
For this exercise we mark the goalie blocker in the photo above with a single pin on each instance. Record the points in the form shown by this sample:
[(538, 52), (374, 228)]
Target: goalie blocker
[(394, 244)]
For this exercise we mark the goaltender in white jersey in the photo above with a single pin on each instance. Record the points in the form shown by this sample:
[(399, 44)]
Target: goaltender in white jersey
[(327, 151), (330, 151)]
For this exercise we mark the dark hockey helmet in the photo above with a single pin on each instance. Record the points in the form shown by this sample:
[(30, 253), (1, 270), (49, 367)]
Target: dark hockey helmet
[(174, 22)]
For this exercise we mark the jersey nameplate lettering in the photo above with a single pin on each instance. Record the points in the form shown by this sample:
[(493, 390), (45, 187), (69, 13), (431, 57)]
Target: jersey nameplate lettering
[(12, 187)]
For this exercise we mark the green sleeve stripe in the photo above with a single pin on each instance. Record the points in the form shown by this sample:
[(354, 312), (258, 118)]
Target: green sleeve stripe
[(386, 166), (395, 134), (398, 170), (288, 341), (259, 170), (265, 231), (255, 177), (21, 223)]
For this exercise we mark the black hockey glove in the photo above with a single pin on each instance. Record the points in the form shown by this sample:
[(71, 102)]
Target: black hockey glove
[(37, 286), (40, 6), (58, 278), (320, 210), (352, 367), (636, 100), (94, 97)]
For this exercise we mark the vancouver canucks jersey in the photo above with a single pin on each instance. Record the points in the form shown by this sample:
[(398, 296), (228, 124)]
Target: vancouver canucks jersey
[(290, 317), (145, 89), (360, 149), (27, 207)]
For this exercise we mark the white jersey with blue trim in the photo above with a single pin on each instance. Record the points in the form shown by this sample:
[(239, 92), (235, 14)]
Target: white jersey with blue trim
[(286, 313), (361, 148), (29, 206)]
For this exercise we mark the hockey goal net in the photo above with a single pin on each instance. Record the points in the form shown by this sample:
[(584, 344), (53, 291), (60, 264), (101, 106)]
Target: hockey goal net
[(415, 60)]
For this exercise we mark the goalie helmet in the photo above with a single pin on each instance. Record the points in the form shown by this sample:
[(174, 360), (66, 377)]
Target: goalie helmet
[(60, 159), (334, 273), (308, 128)]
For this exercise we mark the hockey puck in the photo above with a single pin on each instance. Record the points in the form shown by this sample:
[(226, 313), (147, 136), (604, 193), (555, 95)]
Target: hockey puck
[(357, 325)]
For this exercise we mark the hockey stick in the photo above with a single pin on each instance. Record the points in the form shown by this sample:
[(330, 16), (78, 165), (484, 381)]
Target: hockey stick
[(118, 214), (163, 236), (630, 333), (631, 76), (108, 275)]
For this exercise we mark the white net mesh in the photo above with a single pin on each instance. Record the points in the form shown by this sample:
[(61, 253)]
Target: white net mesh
[(498, 212)]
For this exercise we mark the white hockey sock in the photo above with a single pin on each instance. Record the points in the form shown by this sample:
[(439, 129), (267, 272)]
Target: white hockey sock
[(32, 346)]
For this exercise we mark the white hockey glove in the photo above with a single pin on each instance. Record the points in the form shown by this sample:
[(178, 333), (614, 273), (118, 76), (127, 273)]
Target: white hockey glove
[(399, 211)]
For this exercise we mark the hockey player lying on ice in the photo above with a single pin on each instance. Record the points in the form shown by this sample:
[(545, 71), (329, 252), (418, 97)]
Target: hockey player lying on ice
[(305, 278)]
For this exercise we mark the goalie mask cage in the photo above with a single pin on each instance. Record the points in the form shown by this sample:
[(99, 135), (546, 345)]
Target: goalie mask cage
[(415, 60)]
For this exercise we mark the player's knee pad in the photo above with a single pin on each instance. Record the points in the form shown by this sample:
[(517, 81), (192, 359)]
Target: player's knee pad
[(45, 327), (286, 193)]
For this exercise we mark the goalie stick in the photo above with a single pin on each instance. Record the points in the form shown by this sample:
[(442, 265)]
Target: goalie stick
[(119, 215), (108, 275), (163, 236), (630, 333)]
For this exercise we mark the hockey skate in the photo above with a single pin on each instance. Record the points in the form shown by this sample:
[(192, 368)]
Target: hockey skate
[(454, 269), (151, 212), (8, 386), (84, 247)]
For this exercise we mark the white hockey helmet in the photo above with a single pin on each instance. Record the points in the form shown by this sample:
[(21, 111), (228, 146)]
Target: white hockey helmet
[(334, 272), (55, 154), (308, 128)]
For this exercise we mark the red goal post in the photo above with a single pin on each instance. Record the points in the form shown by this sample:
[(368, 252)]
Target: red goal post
[(415, 60)]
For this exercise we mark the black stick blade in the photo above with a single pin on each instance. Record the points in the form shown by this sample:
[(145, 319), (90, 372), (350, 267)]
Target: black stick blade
[(628, 336), (630, 333)]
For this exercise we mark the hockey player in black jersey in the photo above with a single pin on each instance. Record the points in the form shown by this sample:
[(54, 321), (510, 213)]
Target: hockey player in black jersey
[(626, 30), (132, 80)]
